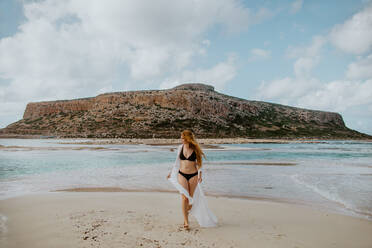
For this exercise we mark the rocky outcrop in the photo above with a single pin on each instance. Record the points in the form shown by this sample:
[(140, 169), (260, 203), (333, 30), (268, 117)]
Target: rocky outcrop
[(165, 113), (37, 109)]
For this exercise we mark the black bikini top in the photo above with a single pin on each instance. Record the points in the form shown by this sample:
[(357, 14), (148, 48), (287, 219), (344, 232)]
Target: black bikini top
[(191, 158)]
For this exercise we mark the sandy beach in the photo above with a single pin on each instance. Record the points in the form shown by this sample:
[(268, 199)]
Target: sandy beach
[(154, 219)]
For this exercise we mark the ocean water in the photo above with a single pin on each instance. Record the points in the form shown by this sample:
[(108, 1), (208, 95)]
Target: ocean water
[(332, 175)]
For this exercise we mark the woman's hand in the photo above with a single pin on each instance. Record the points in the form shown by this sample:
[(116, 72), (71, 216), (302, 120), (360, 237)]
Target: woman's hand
[(168, 175), (200, 178)]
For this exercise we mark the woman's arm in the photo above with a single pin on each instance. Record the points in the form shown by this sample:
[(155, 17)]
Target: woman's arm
[(176, 163), (200, 170)]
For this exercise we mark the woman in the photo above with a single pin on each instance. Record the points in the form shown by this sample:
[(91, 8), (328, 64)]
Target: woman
[(186, 176)]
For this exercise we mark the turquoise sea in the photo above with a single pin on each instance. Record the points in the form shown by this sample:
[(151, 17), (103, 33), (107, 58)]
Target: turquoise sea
[(332, 175)]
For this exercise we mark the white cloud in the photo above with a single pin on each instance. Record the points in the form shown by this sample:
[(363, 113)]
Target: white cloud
[(13, 109), (150, 39), (351, 96), (296, 6), (286, 90), (206, 43), (307, 57), (217, 75), (259, 54), (311, 50), (333, 96), (303, 90), (262, 15), (69, 49), (339, 95), (360, 69), (304, 65), (355, 34)]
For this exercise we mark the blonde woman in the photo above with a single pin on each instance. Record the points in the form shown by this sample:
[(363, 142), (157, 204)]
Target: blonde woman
[(186, 176)]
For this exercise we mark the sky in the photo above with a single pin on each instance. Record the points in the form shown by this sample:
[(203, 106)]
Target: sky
[(313, 54)]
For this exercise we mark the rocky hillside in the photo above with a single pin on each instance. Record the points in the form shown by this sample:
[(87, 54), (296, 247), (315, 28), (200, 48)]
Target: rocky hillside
[(165, 113)]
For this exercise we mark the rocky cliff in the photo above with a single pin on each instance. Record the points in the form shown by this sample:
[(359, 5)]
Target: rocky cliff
[(165, 113)]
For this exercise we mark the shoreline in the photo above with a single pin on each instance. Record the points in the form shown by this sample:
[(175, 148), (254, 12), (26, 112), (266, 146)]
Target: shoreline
[(170, 141), (211, 144), (206, 142), (153, 219), (335, 207), (342, 210)]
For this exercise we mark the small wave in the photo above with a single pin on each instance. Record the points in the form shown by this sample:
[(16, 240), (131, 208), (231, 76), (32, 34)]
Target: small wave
[(109, 189), (333, 197), (253, 163), (50, 148), (229, 149), (324, 194), (338, 149)]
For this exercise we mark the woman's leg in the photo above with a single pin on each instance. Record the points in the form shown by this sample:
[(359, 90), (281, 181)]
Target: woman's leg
[(185, 201), (193, 182)]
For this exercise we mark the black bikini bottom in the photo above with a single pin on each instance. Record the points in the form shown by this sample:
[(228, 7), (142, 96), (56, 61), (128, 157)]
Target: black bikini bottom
[(188, 176)]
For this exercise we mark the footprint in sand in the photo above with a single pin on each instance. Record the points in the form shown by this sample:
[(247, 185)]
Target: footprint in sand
[(280, 235)]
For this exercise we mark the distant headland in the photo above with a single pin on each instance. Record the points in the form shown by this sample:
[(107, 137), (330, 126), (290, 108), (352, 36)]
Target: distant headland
[(165, 113)]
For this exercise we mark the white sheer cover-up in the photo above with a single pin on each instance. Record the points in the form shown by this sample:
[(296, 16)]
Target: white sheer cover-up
[(199, 209)]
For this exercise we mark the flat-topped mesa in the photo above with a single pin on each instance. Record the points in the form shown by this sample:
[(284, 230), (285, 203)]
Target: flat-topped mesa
[(194, 86), (165, 113), (144, 97)]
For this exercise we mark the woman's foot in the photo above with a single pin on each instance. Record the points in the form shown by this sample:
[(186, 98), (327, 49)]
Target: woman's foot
[(186, 226)]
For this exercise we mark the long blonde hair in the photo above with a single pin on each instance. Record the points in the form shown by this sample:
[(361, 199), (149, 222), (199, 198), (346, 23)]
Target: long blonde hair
[(190, 138)]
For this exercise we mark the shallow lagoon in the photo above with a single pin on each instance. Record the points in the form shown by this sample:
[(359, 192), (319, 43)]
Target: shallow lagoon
[(336, 175)]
